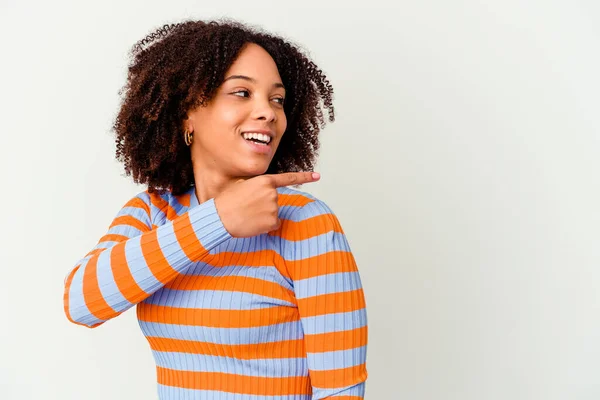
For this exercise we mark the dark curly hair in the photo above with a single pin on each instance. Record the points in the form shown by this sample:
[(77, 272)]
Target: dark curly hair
[(181, 70)]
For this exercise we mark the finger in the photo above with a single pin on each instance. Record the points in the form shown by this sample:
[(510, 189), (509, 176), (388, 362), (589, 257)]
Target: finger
[(294, 178)]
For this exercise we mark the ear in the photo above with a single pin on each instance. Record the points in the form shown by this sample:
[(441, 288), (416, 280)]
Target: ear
[(188, 124)]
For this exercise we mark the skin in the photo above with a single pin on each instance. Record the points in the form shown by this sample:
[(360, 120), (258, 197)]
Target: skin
[(220, 155), (225, 166)]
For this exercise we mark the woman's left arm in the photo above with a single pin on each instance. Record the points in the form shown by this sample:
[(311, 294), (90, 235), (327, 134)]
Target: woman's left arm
[(331, 302)]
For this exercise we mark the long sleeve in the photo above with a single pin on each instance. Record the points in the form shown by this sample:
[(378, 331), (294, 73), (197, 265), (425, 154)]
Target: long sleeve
[(135, 259), (331, 302)]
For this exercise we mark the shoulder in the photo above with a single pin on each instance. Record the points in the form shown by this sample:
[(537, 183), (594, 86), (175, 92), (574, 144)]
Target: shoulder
[(161, 206), (299, 206), (140, 201)]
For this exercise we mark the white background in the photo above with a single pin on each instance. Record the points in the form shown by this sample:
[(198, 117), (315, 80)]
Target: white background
[(463, 166)]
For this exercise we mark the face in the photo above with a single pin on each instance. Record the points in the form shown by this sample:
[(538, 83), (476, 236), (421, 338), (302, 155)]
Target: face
[(248, 102)]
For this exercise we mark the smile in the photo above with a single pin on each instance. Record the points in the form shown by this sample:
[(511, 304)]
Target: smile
[(259, 138)]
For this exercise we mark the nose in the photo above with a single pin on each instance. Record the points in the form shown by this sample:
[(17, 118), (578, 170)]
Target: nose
[(263, 110)]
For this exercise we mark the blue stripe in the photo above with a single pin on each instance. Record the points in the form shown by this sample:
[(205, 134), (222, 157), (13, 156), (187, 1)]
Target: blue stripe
[(335, 322), (108, 287), (157, 214), (291, 250), (138, 267), (268, 368), (160, 215), (214, 299), (245, 245), (228, 336), (337, 359), (105, 245), (125, 230), (354, 390), (170, 392), (193, 199), (135, 212), (324, 284), (171, 249), (207, 225), (78, 310), (298, 214), (288, 190), (315, 246), (266, 273)]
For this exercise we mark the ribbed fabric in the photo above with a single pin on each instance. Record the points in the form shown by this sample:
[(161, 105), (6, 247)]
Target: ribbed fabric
[(275, 316)]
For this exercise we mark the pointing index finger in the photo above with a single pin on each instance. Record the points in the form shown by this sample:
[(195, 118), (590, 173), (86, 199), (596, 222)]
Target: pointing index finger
[(294, 178)]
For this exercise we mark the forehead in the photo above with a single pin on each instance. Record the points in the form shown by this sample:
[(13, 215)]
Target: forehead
[(257, 63)]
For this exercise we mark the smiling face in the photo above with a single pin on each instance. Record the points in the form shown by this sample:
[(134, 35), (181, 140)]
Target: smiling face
[(250, 99)]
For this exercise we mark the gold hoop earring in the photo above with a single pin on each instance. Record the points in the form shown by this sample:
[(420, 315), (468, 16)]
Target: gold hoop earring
[(188, 137)]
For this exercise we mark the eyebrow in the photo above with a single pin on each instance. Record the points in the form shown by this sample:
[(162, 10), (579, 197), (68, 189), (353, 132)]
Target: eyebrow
[(249, 79)]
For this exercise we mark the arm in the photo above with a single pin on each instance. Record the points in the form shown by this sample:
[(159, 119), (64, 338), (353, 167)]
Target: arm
[(330, 302), (133, 260)]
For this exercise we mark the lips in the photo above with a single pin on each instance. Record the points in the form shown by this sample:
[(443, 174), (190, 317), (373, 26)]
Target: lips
[(267, 132), (264, 148), (257, 138)]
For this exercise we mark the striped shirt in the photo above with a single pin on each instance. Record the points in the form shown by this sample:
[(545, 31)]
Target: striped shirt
[(274, 316)]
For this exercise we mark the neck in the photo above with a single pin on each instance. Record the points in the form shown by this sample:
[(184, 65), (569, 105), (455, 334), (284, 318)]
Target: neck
[(210, 183)]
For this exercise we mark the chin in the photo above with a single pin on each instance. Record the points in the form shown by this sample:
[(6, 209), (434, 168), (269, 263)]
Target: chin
[(254, 170)]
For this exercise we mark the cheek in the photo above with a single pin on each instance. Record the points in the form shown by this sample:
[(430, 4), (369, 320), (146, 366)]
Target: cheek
[(282, 123), (231, 114)]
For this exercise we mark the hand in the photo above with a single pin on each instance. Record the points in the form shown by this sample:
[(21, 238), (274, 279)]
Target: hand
[(249, 207)]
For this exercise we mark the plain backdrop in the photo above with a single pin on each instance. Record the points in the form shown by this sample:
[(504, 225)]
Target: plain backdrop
[(463, 166)]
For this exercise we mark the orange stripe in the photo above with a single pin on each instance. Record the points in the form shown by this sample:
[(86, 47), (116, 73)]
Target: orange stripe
[(155, 259), (66, 296), (184, 199), (92, 295), (335, 378), (123, 277), (217, 318), (187, 239), (113, 238), (95, 251), (131, 221), (335, 341), (233, 283), (282, 349), (260, 258), (332, 303), (295, 200), (329, 263), (139, 203), (347, 398), (163, 206), (234, 383), (310, 227)]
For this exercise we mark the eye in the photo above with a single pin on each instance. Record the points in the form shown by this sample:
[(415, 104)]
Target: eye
[(241, 91), (280, 100)]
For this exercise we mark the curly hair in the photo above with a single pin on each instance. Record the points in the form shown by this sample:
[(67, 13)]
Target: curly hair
[(181, 70)]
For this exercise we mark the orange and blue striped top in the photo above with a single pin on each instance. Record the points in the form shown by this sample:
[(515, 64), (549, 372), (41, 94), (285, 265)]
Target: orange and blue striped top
[(274, 316)]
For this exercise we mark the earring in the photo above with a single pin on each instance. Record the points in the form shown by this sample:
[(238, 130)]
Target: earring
[(188, 137)]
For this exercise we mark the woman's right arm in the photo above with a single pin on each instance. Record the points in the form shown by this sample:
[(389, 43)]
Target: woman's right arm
[(134, 260)]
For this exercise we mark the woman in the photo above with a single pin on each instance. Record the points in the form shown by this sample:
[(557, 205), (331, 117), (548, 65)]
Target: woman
[(245, 289)]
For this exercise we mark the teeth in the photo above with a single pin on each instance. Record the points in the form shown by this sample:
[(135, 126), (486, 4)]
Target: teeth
[(258, 136)]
